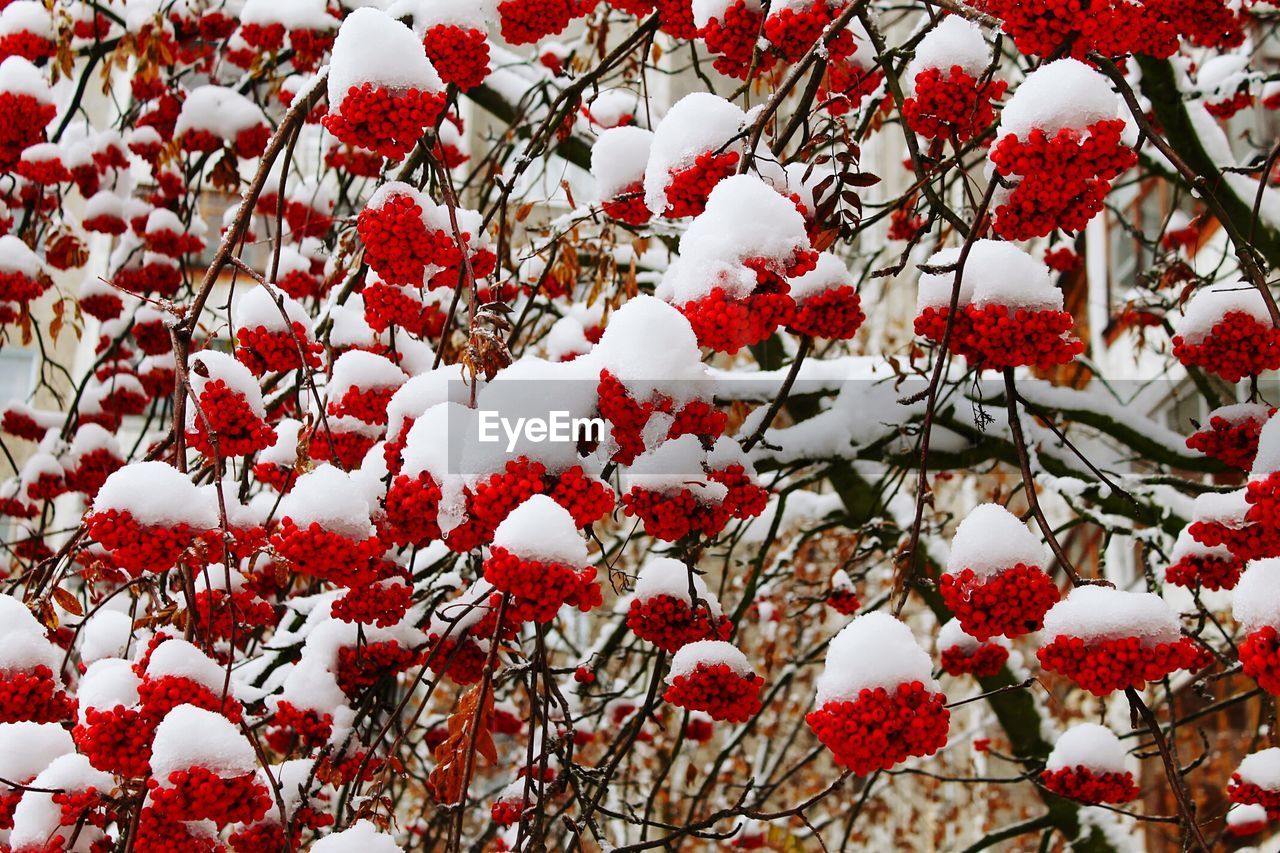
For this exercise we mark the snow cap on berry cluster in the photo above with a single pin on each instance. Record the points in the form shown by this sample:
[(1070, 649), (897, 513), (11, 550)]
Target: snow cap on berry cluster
[(698, 123), (618, 159), (671, 467), (708, 653), (209, 366), (372, 47), (990, 540), (292, 14), (1186, 546), (258, 307), (106, 634), (193, 737), (670, 577), (1255, 601), (828, 274), (17, 257), (540, 529), (1207, 306), (705, 10), (1089, 745), (1227, 508), (954, 41), (38, 818), (19, 77), (1267, 460), (651, 348), (362, 837), (1065, 93), (1106, 613), (326, 496), (438, 13), (27, 748), (157, 495), (363, 371), (1261, 768), (953, 636), (412, 399), (1003, 274), (27, 16), (873, 651), (285, 450), (107, 684), (221, 111), (177, 658), (934, 288)]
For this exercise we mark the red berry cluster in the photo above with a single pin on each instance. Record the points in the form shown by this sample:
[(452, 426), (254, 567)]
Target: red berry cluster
[(717, 690), (460, 54), (530, 21), (361, 667), (160, 695), (237, 430), (1247, 793), (843, 601), (627, 205), (26, 44), (25, 120), (1083, 785), (1104, 666), (1111, 27), (1245, 541), (221, 615), (301, 284), (539, 589), (882, 727), (116, 740), (152, 337), (398, 245), (732, 37), (380, 604), (389, 122), (671, 516), (267, 38), (1001, 337), (355, 161), (847, 83), (689, 187), (676, 18), (1060, 181), (1238, 345), (462, 660), (365, 404), (34, 696), (1207, 23), (1196, 572), (309, 47), (292, 726), (745, 498), (627, 418), (835, 314), (412, 505), (1010, 603), (264, 350), (386, 305), (984, 661), (670, 622), (1260, 658), (199, 794), (329, 556), (1233, 443), (102, 306), (137, 547), (586, 499), (792, 31), (45, 173), (344, 447), (16, 287), (1228, 107), (954, 107), (726, 323)]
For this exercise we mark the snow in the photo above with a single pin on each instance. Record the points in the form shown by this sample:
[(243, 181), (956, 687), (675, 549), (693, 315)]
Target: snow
[(990, 540), (651, 348), (107, 684), (874, 650), (1255, 601), (705, 10), (178, 658), (1065, 93), (954, 41), (697, 123), (1246, 815), (27, 16), (1209, 305), (618, 159), (15, 256), (37, 817), (1089, 745), (430, 13), (363, 371), (1003, 274), (1187, 546), (373, 47), (258, 307), (1227, 508), (238, 378), (105, 634), (1267, 460), (935, 287), (311, 686), (23, 644), (1105, 613), (673, 466), (565, 338), (285, 450), (193, 737), (434, 432), (20, 77), (952, 636), (221, 111), (1261, 768), (325, 496), (362, 837), (670, 577), (829, 274), (293, 14), (540, 529), (27, 748), (708, 653)]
